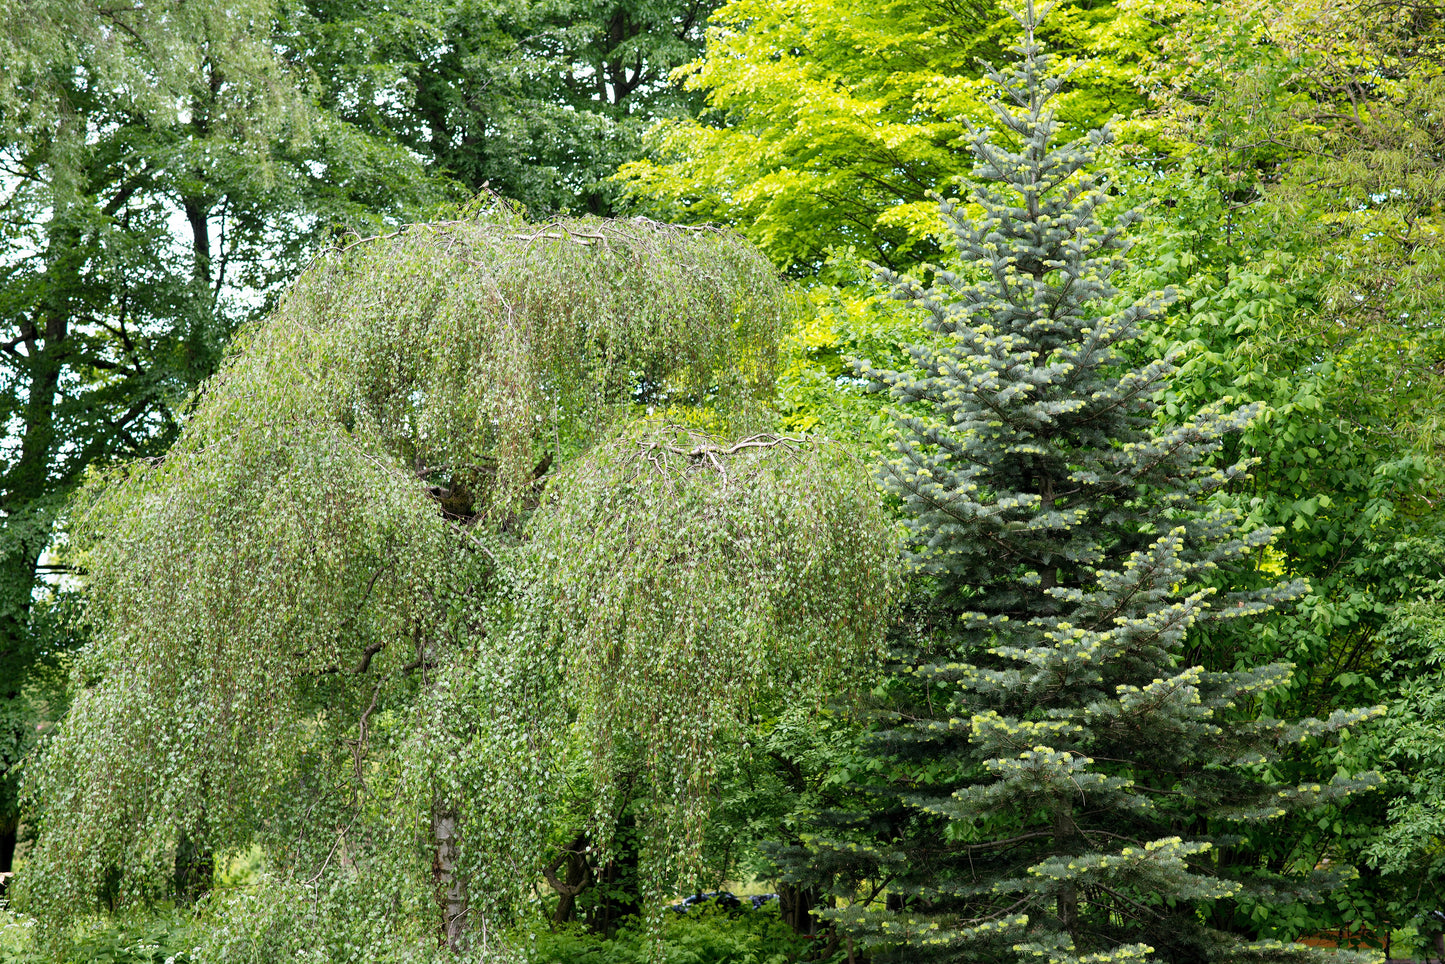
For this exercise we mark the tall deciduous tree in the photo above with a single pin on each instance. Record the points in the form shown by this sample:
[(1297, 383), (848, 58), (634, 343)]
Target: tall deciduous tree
[(1064, 779), (826, 123), (540, 100)]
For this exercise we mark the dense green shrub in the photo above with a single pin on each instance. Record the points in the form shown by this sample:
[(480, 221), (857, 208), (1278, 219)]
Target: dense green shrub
[(702, 937), (157, 935)]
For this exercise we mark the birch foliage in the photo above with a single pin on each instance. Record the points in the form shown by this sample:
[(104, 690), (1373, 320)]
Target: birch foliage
[(388, 581)]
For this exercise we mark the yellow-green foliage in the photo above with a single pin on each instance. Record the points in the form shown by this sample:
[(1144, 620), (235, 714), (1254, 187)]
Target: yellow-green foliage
[(829, 122)]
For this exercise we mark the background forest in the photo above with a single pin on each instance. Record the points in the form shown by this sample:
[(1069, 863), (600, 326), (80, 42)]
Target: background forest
[(290, 567)]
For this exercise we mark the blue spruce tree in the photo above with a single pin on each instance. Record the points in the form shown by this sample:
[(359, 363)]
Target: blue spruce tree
[(1064, 785)]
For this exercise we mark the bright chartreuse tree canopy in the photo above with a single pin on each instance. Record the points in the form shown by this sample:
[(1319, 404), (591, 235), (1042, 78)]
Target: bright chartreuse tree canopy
[(827, 123), (823, 130)]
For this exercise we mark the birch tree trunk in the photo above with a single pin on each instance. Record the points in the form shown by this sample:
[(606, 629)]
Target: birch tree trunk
[(451, 889)]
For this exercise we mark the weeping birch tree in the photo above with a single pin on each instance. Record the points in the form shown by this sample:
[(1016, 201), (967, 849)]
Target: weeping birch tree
[(482, 507)]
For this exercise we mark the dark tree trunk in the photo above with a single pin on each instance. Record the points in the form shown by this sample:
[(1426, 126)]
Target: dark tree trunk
[(618, 894), (9, 832), (27, 494), (195, 869), (576, 879), (198, 213), (795, 905), (1067, 902)]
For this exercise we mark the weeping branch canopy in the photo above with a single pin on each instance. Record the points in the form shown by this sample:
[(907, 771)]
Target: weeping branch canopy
[(431, 537)]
